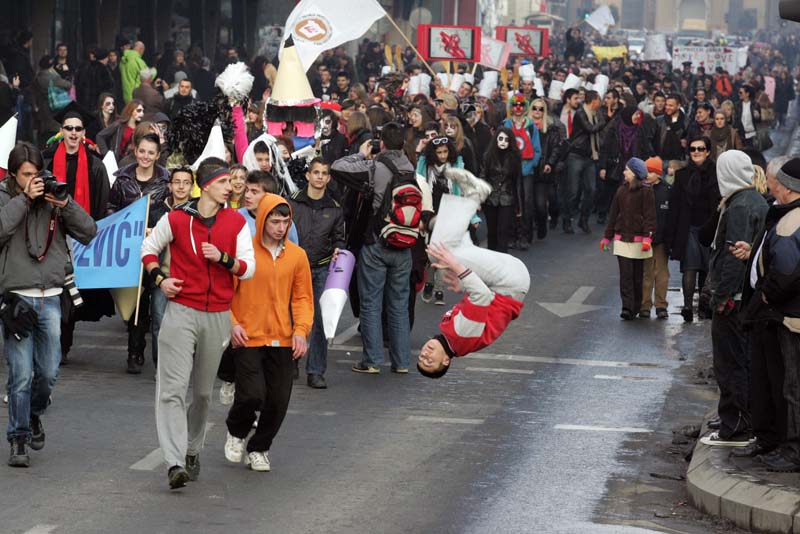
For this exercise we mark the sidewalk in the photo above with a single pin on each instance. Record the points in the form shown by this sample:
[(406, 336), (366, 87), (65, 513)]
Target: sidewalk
[(740, 489)]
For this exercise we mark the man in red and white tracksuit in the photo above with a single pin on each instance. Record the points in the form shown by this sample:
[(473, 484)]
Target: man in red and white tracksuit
[(209, 245)]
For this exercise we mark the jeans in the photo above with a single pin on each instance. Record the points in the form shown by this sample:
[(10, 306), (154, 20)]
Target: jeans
[(136, 332), (317, 362), (631, 272), (525, 193), (381, 269), (33, 366), (499, 225), (580, 177), (732, 369)]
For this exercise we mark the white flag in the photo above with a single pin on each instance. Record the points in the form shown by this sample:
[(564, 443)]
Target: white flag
[(8, 137), (601, 19), (319, 25)]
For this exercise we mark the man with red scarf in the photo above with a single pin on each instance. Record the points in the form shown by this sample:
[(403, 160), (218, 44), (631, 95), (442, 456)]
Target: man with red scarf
[(73, 162)]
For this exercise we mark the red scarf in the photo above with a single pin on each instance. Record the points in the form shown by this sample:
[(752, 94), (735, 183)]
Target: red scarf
[(81, 195)]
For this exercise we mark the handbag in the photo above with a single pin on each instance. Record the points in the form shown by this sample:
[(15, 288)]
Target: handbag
[(762, 141), (57, 98)]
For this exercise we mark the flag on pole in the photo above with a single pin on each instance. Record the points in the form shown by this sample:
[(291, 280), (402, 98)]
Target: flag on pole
[(601, 19), (8, 137), (319, 25)]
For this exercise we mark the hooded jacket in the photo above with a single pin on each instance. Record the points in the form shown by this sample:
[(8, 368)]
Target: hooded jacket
[(321, 225), (127, 190), (130, 67), (207, 286), (278, 301)]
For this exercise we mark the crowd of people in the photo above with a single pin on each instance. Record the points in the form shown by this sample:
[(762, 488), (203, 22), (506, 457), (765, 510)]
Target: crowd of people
[(669, 163)]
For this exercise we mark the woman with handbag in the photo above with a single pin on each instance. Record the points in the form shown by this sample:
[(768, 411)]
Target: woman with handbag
[(50, 95)]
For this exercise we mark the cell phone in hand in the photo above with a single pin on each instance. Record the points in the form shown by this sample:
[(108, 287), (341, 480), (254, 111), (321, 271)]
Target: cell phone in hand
[(730, 243)]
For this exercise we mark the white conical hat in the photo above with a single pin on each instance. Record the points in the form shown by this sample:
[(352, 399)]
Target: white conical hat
[(291, 84)]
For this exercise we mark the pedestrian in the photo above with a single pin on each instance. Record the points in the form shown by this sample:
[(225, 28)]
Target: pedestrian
[(669, 139), (742, 214), (631, 226), (34, 226), (552, 135), (105, 114), (502, 170), (131, 66), (202, 236), (142, 178), (45, 78), (149, 92), (268, 334), (723, 136), (118, 135), (747, 114), (238, 186), (656, 268)]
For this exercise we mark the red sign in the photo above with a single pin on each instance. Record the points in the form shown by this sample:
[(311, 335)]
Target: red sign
[(449, 43), (525, 40)]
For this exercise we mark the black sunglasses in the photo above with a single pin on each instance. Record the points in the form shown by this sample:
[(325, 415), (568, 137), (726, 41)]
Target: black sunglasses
[(73, 128), (697, 149), (537, 108)]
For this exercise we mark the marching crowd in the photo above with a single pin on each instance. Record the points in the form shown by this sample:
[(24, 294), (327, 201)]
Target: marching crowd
[(669, 163)]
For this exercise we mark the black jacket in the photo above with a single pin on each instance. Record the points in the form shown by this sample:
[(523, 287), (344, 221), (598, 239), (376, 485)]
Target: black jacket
[(504, 180), (98, 179), (127, 190), (668, 137), (110, 139), (693, 200), (661, 191), (755, 112), (553, 147), (611, 157), (91, 81), (173, 105), (320, 226), (582, 129)]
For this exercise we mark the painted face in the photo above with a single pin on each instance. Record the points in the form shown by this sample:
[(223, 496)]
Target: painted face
[(450, 130), (502, 141), (327, 126)]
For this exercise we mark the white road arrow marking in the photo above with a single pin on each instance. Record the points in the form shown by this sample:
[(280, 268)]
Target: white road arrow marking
[(574, 305)]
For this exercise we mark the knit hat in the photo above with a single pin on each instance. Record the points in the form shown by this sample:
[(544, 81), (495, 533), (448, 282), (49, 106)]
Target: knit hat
[(734, 171), (100, 54), (450, 102), (655, 164), (789, 175), (638, 167)]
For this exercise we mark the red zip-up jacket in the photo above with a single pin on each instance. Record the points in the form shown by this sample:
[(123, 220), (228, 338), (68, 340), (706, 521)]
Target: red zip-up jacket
[(207, 286), (479, 318)]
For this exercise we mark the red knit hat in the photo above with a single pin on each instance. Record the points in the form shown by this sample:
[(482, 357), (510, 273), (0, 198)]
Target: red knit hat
[(655, 164)]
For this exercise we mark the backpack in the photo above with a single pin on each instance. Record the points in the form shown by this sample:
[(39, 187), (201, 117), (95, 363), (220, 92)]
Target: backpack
[(397, 220)]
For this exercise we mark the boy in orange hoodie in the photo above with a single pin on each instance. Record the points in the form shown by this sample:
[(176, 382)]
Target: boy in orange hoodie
[(266, 336)]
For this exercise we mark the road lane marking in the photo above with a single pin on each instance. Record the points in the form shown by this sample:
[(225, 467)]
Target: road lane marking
[(620, 377), (41, 529), (590, 428), (499, 370), (102, 347), (347, 334), (310, 412), (533, 359), (155, 457), (454, 420), (574, 304)]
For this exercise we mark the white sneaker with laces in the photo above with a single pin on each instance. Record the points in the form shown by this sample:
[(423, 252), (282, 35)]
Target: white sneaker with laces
[(234, 448), (258, 461), (226, 393), (715, 440), (5, 399)]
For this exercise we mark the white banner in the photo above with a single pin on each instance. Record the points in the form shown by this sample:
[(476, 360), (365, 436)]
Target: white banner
[(709, 57), (655, 48), (601, 19)]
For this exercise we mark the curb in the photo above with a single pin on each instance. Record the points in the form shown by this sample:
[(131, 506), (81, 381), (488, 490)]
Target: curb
[(719, 488)]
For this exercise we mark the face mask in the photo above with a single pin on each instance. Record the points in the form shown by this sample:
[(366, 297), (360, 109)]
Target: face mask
[(449, 131), (327, 124), (502, 141)]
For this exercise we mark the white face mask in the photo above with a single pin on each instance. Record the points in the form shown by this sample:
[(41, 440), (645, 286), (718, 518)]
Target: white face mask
[(502, 141), (449, 131), (327, 125)]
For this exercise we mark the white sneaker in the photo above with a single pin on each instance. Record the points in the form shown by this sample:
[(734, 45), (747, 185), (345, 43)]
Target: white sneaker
[(258, 461), (226, 393), (5, 399), (234, 448), (715, 440)]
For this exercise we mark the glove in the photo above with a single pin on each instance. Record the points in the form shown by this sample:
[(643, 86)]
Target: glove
[(605, 245), (647, 245), (17, 316)]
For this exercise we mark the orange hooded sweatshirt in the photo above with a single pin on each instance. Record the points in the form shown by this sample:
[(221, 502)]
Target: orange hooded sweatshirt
[(278, 301)]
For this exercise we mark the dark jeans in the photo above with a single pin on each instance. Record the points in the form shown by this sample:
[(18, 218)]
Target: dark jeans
[(317, 361), (789, 343), (526, 195), (631, 274), (541, 195), (136, 333), (264, 377), (580, 178), (767, 407), (552, 200), (732, 369), (605, 194), (499, 226), (227, 366)]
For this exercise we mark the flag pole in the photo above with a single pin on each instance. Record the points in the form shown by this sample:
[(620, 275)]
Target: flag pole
[(414, 48), (141, 268)]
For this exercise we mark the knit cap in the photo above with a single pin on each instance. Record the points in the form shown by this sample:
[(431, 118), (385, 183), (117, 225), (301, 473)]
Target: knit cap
[(789, 175), (655, 164), (734, 171), (638, 167)]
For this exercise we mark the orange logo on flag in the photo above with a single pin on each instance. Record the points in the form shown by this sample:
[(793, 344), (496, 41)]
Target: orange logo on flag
[(313, 28)]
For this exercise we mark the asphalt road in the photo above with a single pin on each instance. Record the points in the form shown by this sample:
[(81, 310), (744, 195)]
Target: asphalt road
[(526, 437)]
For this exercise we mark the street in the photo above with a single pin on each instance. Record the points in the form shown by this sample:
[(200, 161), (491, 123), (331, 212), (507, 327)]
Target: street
[(527, 437)]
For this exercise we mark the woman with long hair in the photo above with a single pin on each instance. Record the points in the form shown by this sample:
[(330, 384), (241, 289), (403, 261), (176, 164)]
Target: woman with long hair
[(451, 127), (117, 137), (551, 136), (359, 131), (502, 169), (624, 140), (104, 115), (238, 186), (723, 136)]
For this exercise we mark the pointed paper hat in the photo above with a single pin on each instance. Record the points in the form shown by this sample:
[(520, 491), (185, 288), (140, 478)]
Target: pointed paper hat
[(215, 146), (292, 98)]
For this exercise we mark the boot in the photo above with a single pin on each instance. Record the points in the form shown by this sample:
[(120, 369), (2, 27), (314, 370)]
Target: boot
[(134, 367), (19, 456), (583, 224), (567, 226)]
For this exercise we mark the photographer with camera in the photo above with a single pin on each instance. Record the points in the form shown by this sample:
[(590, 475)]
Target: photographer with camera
[(36, 215)]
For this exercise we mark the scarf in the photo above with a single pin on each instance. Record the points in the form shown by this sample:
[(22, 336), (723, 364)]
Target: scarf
[(627, 134), (721, 136), (81, 194)]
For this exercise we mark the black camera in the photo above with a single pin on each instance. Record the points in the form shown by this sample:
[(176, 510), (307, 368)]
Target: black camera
[(52, 186), (376, 141)]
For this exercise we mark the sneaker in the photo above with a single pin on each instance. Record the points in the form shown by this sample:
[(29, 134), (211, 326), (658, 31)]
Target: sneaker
[(234, 448), (258, 461), (19, 453), (5, 399), (226, 393), (193, 466), (687, 313), (626, 315), (177, 476), (714, 439), (662, 313), (400, 370), (37, 439), (134, 368), (362, 367), (523, 244), (427, 293), (316, 381), (644, 314), (439, 298)]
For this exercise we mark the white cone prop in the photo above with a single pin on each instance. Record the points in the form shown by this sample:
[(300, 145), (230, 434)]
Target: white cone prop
[(334, 297), (572, 82), (413, 85), (215, 146), (8, 137), (601, 84), (110, 163)]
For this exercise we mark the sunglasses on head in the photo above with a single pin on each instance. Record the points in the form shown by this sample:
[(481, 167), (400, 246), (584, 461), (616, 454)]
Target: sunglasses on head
[(537, 108), (73, 128), (697, 149), (440, 141)]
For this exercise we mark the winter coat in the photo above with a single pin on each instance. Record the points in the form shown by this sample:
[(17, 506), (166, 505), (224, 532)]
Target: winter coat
[(95, 79), (668, 136), (632, 217), (47, 124), (693, 200), (528, 165), (152, 99), (127, 190), (611, 157), (755, 111), (553, 147), (130, 67), (110, 139), (98, 180), (504, 182), (741, 219), (582, 130), (661, 192), (175, 104), (784, 93), (320, 226), (24, 224)]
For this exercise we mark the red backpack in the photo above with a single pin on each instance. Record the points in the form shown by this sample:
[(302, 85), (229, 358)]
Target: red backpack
[(398, 219)]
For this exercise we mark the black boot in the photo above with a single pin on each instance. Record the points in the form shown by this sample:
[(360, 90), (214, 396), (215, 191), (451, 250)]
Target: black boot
[(583, 224), (19, 453), (37, 439), (567, 226), (134, 367)]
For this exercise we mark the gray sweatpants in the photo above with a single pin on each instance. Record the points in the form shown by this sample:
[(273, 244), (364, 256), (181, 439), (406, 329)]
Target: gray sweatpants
[(189, 348)]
